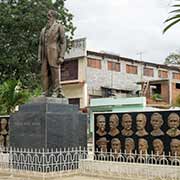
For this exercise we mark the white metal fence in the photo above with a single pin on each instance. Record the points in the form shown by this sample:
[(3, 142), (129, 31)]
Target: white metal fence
[(78, 160)]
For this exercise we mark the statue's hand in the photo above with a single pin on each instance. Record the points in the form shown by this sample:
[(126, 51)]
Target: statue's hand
[(60, 60)]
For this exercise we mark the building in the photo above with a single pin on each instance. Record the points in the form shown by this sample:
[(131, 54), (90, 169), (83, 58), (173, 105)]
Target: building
[(89, 74)]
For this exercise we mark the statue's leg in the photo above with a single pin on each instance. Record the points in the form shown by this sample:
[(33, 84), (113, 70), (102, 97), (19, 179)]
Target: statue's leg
[(56, 85), (45, 78)]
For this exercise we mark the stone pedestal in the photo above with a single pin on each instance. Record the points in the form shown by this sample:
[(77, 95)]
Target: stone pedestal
[(48, 123)]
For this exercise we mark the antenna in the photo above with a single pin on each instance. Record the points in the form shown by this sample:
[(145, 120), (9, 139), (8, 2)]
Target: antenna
[(140, 54)]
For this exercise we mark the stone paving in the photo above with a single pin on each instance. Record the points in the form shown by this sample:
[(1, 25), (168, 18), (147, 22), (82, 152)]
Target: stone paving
[(75, 177)]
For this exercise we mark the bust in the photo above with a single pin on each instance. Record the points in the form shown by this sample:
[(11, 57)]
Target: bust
[(113, 124), (156, 122), (173, 123), (140, 125), (101, 123), (3, 126), (127, 125)]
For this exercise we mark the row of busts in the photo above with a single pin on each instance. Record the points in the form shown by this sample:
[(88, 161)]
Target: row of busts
[(129, 144), (141, 120)]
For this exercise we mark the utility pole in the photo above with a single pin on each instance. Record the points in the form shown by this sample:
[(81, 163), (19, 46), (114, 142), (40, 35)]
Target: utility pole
[(140, 54)]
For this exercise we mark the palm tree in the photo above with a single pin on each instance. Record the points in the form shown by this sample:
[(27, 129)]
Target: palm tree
[(12, 95), (175, 17)]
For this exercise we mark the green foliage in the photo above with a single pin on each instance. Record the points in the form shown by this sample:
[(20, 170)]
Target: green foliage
[(178, 101), (173, 58), (157, 97), (20, 26), (11, 95), (175, 16)]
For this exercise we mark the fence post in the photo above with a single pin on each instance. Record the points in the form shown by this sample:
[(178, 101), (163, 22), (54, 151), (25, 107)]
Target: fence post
[(11, 161)]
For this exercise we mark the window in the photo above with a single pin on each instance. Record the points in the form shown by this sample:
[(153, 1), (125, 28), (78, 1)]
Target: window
[(69, 70), (94, 63), (75, 101), (113, 66), (163, 74), (131, 69), (176, 76), (177, 85), (148, 72)]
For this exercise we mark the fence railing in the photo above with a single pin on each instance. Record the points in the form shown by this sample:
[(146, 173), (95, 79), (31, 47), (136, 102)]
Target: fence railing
[(138, 158), (41, 160), (80, 160)]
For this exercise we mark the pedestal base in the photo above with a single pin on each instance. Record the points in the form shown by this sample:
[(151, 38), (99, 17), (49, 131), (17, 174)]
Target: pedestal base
[(48, 123)]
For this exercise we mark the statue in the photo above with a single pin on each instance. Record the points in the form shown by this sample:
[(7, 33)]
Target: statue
[(3, 127), (116, 146), (127, 125), (113, 124), (173, 123), (129, 145), (175, 149), (52, 46), (158, 147), (102, 144), (140, 125), (101, 124), (157, 122), (142, 146)]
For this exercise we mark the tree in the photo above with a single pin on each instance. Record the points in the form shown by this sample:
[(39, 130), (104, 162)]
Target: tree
[(20, 25), (11, 95), (175, 16), (173, 58)]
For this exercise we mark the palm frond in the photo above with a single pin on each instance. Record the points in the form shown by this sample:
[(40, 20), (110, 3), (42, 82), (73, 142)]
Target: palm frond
[(176, 5), (175, 11), (170, 25), (174, 17)]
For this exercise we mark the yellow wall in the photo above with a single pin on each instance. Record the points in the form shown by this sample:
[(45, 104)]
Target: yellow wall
[(74, 91)]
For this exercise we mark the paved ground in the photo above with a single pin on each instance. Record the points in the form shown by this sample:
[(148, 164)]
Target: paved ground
[(60, 178)]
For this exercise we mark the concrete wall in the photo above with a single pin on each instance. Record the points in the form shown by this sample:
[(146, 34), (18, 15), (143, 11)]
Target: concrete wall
[(118, 80), (175, 92)]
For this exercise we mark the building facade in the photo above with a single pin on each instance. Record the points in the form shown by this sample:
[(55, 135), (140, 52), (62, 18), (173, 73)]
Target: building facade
[(89, 74)]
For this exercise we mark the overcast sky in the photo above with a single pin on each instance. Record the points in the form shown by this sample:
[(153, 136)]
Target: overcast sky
[(126, 27)]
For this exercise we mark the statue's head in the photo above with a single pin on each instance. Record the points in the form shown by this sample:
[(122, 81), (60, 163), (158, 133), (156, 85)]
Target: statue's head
[(52, 14)]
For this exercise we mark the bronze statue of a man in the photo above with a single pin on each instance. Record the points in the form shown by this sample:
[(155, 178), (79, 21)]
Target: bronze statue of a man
[(52, 46)]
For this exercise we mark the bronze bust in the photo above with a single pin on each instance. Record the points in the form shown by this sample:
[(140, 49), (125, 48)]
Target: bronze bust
[(3, 126), (101, 124), (158, 147), (157, 122), (102, 144), (113, 124), (173, 123), (127, 125), (175, 149), (140, 125), (52, 46), (142, 146), (129, 145)]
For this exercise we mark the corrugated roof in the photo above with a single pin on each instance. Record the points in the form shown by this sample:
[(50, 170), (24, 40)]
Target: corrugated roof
[(107, 55)]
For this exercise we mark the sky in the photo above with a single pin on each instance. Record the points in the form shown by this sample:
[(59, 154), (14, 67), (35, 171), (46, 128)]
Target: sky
[(126, 27)]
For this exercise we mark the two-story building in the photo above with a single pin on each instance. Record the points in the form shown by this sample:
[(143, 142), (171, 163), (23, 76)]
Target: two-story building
[(89, 74)]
